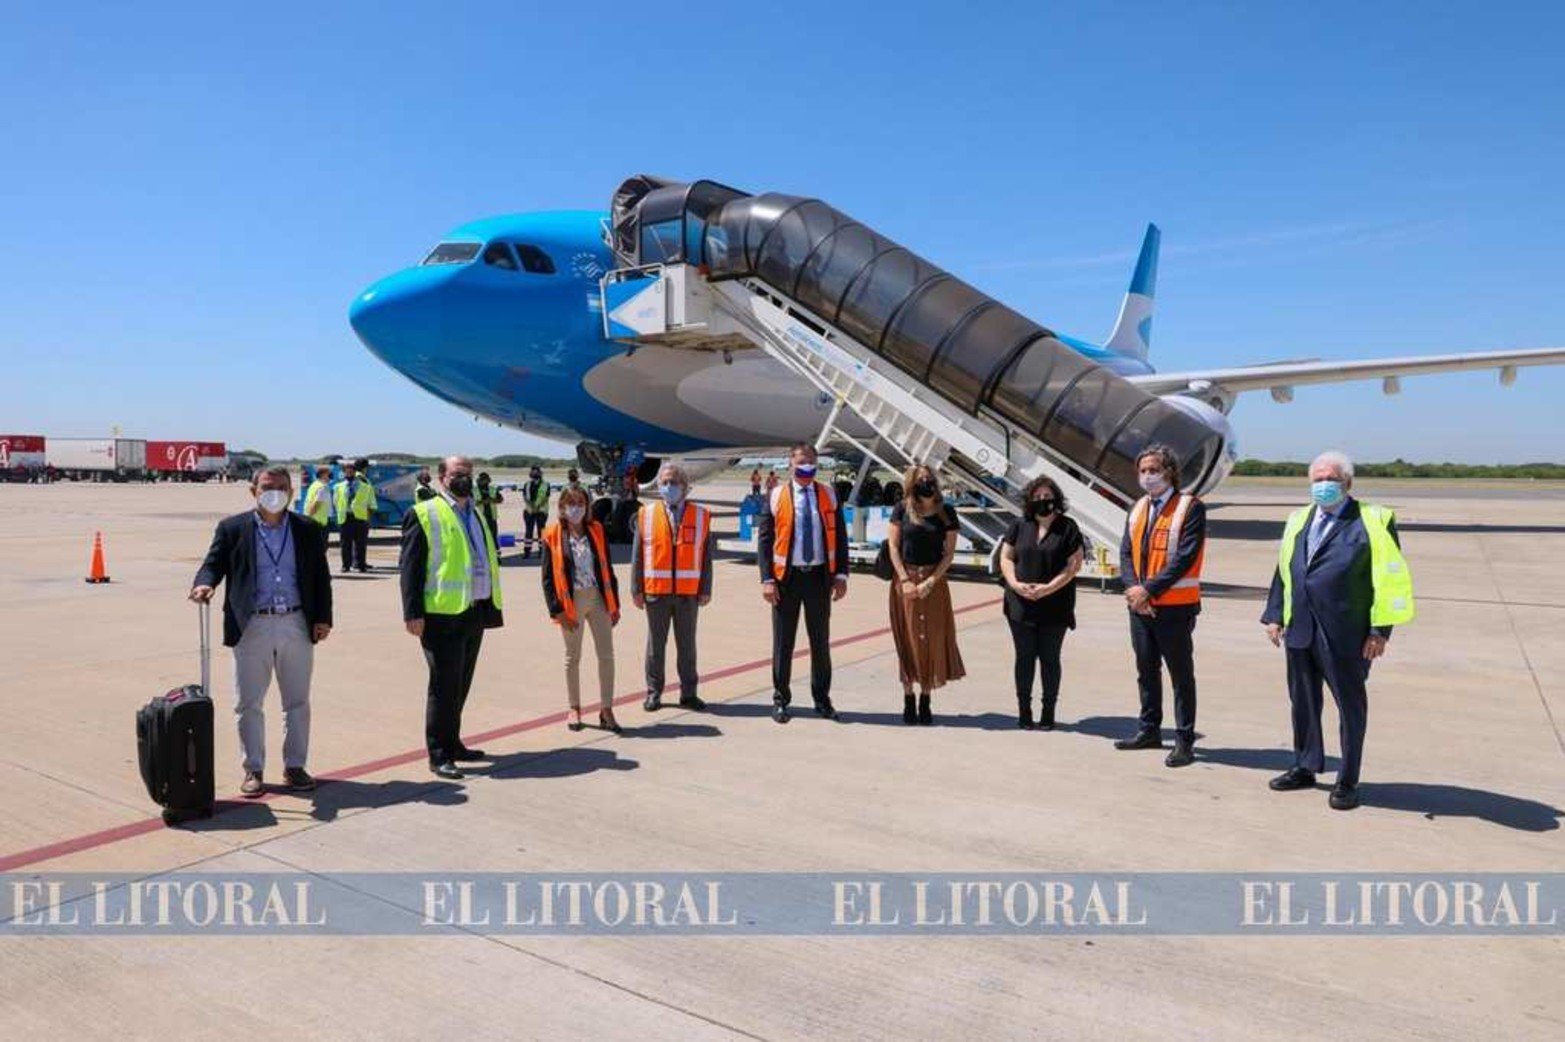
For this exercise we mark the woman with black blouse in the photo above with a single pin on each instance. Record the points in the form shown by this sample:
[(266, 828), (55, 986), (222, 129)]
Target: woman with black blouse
[(921, 544), (1040, 558)]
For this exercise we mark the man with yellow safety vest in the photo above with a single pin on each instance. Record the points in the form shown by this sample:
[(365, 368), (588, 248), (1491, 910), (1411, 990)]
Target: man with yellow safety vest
[(802, 552), (450, 595), (355, 502), (1160, 561), (318, 498), (1341, 583), (535, 512), (671, 578)]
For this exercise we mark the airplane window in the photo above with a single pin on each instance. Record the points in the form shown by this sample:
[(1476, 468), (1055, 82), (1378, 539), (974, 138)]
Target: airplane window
[(534, 260), (451, 253), (498, 255)]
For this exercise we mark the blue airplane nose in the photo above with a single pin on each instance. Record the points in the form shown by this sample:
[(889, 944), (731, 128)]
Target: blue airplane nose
[(398, 318)]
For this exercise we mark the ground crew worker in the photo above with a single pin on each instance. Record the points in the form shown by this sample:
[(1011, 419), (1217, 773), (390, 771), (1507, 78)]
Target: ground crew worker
[(1160, 559), (450, 595), (1341, 583), (671, 578), (535, 511), (355, 502), (489, 500), (423, 490), (318, 498), (802, 553)]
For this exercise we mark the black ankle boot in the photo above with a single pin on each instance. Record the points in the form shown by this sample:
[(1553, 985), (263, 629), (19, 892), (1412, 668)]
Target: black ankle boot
[(924, 715), (1046, 716), (1024, 712), (909, 713)]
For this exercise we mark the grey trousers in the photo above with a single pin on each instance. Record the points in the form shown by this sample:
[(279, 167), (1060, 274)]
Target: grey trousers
[(682, 612), (280, 644)]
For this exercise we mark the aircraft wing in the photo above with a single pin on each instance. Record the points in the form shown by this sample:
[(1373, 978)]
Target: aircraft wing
[(1280, 378)]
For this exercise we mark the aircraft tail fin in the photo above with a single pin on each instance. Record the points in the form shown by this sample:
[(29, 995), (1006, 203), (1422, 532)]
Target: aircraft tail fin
[(1132, 335)]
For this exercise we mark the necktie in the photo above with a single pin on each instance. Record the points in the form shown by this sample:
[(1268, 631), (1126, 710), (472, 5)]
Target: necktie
[(807, 530), (1318, 531)]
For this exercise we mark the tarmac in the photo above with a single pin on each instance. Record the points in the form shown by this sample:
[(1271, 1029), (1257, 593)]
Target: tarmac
[(1463, 774)]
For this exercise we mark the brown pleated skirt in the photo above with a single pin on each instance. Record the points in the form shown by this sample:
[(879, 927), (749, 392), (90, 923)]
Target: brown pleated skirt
[(925, 635)]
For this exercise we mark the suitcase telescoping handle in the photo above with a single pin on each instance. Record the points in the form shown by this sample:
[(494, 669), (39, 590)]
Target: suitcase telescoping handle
[(204, 623)]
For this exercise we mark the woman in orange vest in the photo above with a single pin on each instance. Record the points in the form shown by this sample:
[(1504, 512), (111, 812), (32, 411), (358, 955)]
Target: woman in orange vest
[(921, 543), (582, 592), (1160, 560)]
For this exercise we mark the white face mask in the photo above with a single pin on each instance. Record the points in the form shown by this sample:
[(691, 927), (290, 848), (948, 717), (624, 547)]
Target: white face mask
[(273, 500), (1154, 484), (573, 513)]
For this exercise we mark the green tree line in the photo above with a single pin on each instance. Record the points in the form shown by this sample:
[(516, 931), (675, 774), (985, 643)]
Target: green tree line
[(1401, 468)]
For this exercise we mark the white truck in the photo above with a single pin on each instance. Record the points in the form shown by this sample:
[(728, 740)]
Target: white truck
[(97, 459)]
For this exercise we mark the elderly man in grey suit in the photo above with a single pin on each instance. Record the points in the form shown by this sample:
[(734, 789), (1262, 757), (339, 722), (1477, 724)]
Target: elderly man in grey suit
[(1341, 583), (671, 578)]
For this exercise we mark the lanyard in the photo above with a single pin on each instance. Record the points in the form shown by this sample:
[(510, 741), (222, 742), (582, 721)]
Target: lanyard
[(277, 562)]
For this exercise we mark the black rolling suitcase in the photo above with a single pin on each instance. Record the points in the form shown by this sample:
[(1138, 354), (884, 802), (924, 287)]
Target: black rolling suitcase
[(174, 741)]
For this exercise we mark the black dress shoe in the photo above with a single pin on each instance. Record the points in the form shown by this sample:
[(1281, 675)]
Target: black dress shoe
[(447, 770), (925, 715), (653, 702), (825, 710), (1046, 716), (691, 702), (466, 755), (780, 713), (1183, 754), (1291, 779), (1142, 740), (909, 710), (1344, 797), (1024, 712)]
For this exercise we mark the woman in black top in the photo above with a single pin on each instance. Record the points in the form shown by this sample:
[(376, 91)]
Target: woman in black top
[(1041, 555), (921, 544)]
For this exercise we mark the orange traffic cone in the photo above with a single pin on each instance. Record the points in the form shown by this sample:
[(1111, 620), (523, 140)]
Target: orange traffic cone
[(97, 574)]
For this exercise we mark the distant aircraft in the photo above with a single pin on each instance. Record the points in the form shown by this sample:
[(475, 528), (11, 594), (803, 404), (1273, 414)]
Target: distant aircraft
[(504, 319)]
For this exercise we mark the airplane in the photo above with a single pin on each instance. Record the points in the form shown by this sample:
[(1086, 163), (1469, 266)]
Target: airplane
[(504, 319)]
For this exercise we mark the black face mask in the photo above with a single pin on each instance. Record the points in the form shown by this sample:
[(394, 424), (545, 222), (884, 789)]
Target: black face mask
[(925, 489), (460, 485), (1041, 507)]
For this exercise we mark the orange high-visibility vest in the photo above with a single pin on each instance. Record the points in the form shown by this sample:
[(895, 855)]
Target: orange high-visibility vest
[(554, 539), (782, 535), (1165, 542), (671, 562)]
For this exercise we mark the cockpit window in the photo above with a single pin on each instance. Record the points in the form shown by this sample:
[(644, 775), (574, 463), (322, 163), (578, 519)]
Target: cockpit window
[(498, 255), (534, 259), (451, 253)]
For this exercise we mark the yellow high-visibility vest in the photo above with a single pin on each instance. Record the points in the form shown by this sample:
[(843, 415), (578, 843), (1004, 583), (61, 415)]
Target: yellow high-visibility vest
[(1393, 582), (448, 576)]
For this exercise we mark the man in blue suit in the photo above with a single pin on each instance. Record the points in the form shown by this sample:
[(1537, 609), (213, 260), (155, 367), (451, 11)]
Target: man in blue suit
[(1341, 584)]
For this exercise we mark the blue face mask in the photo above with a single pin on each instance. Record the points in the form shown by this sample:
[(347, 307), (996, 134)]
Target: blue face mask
[(671, 493), (1326, 493)]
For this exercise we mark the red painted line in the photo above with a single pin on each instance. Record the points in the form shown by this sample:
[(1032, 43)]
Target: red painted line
[(119, 833)]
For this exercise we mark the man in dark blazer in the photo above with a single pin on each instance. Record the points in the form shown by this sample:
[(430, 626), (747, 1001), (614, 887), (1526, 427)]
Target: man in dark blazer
[(1327, 628), (802, 553), (449, 623), (276, 609)]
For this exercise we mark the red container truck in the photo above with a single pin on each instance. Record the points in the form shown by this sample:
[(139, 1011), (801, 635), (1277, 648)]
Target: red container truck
[(21, 456), (189, 460)]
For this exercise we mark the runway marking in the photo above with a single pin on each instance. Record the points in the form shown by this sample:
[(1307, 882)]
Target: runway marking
[(130, 830)]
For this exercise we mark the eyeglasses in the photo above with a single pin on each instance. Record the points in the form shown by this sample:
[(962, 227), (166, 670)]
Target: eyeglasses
[(1045, 499)]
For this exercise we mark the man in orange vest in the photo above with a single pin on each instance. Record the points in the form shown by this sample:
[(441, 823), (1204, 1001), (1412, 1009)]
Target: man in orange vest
[(671, 577), (802, 552), (1160, 562)]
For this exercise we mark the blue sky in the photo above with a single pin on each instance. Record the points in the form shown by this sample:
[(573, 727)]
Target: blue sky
[(192, 194)]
